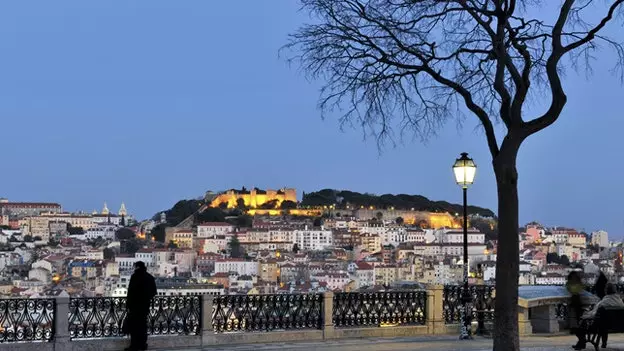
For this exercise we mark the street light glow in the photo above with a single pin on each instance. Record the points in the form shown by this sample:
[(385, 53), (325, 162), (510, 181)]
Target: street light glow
[(464, 170)]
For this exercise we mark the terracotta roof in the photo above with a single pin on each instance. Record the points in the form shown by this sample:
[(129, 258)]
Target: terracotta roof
[(29, 204), (363, 266)]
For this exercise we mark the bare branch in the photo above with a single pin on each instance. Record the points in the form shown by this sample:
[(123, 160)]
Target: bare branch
[(410, 65)]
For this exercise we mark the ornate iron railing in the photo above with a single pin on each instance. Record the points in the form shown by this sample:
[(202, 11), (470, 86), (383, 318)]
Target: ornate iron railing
[(482, 302), (376, 309), (98, 317), (178, 315), (103, 317), (267, 312), (27, 320)]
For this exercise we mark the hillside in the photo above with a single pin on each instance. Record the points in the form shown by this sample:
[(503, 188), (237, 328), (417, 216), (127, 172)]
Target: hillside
[(342, 198)]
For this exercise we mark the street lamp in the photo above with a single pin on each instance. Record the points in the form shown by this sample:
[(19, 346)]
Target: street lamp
[(465, 170)]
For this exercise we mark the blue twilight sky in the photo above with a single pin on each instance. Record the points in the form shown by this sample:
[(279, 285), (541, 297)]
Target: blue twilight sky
[(149, 102)]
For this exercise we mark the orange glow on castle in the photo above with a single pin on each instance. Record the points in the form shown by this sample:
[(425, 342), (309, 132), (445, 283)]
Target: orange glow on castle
[(255, 197)]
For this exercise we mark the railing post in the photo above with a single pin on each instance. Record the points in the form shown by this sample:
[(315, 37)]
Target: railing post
[(61, 325), (207, 332), (328, 313), (435, 309)]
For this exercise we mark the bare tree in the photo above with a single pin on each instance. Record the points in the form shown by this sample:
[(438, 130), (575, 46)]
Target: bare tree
[(403, 67)]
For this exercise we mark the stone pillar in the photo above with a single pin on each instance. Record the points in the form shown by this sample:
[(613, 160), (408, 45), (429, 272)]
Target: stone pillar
[(524, 323), (61, 325), (328, 313), (544, 319), (435, 309), (207, 332)]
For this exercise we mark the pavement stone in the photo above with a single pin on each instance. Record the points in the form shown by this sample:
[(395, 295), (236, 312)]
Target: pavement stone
[(446, 343)]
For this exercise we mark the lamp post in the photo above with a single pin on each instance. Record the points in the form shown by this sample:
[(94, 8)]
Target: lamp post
[(464, 170)]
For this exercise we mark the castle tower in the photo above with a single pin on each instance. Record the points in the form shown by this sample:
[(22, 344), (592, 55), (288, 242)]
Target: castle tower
[(122, 210), (105, 210)]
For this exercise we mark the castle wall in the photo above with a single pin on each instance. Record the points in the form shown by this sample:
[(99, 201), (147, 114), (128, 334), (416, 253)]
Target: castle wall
[(254, 200), (434, 220)]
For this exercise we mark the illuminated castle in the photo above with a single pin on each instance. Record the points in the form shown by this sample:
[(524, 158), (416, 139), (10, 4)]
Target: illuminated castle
[(255, 197)]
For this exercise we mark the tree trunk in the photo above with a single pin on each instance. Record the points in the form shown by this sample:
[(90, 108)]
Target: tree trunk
[(507, 259)]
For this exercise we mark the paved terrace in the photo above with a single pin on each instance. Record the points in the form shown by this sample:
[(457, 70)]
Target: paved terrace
[(447, 343), (406, 320)]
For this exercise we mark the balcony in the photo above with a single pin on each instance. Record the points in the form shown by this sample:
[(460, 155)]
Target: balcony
[(192, 322)]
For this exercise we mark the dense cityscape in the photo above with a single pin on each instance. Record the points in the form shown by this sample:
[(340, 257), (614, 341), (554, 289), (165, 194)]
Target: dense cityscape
[(268, 241)]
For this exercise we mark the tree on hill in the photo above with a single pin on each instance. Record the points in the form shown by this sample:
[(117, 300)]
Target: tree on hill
[(28, 239), (288, 205), (172, 245), (317, 222), (399, 220), (124, 234), (244, 221), (109, 254), (552, 257), (396, 69), (210, 214), (379, 216), (131, 246), (236, 250), (159, 232), (74, 230), (240, 204), (328, 197), (564, 260), (179, 212), (487, 227), (295, 248), (269, 205)]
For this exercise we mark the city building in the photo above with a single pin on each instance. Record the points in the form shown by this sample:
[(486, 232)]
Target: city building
[(25, 209), (600, 238), (313, 239), (237, 265), (213, 229)]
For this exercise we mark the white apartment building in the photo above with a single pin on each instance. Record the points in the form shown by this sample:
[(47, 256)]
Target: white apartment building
[(237, 265), (186, 260), (600, 238), (126, 263), (281, 235), (213, 229), (105, 231), (147, 256), (313, 239), (334, 280), (415, 236), (560, 238), (364, 274), (456, 236)]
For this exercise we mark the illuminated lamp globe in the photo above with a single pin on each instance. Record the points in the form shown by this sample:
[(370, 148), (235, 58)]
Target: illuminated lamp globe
[(464, 170)]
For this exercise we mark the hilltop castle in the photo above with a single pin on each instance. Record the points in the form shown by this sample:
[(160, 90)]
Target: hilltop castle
[(255, 197)]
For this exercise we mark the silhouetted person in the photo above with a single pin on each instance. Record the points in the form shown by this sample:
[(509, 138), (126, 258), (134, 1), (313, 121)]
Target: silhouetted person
[(141, 290), (601, 285), (575, 287), (611, 299)]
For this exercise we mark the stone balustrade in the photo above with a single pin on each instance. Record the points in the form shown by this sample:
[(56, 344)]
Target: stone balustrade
[(178, 322)]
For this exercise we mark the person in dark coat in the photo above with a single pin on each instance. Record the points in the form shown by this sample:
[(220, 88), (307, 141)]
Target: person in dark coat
[(141, 291), (601, 285), (575, 287)]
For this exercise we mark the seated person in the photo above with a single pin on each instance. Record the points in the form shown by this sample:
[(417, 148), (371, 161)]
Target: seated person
[(611, 299)]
